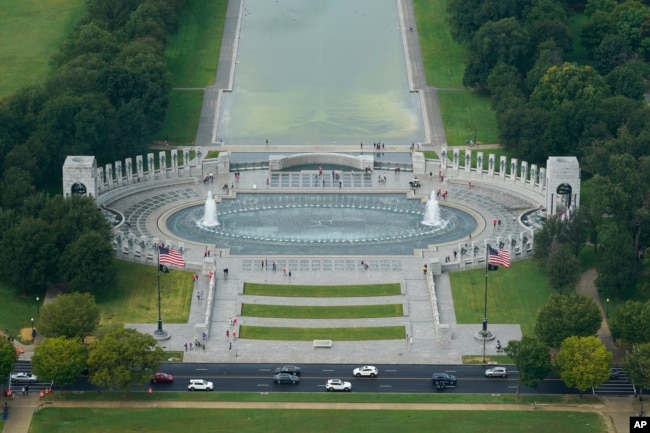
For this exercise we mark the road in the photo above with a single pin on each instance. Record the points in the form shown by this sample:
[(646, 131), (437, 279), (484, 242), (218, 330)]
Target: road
[(392, 378)]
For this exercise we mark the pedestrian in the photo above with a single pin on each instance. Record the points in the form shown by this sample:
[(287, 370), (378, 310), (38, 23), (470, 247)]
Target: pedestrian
[(204, 336), (234, 335), (24, 390), (275, 267), (190, 345), (229, 346), (284, 272), (289, 274), (262, 264), (185, 346), (494, 222), (198, 296), (230, 320), (499, 221), (227, 333), (234, 321)]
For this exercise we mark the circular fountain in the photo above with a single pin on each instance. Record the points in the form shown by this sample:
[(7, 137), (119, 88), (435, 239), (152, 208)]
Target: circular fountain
[(336, 224), (432, 215)]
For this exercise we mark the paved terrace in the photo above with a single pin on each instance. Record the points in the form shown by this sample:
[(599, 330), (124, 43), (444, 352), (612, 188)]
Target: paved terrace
[(146, 208)]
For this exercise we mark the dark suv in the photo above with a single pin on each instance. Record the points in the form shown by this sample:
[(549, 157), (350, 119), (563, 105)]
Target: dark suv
[(443, 379)]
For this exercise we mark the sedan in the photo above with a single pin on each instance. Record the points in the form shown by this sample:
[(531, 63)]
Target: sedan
[(285, 378), (291, 369), (366, 370), (338, 385), (496, 372), (161, 377), (24, 377)]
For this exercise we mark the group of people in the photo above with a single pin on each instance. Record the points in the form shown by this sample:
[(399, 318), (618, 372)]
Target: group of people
[(441, 193)]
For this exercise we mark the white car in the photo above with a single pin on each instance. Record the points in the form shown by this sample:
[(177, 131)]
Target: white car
[(366, 370), (338, 385), (24, 377), (496, 372), (200, 385)]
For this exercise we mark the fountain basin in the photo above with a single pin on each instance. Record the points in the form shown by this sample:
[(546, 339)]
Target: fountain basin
[(323, 224)]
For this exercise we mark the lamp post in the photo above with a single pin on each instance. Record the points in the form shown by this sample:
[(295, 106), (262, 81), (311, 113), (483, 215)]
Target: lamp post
[(607, 309), (32, 324), (37, 299)]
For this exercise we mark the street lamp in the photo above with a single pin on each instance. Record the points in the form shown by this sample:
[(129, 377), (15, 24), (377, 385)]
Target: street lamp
[(607, 309), (37, 299), (32, 324)]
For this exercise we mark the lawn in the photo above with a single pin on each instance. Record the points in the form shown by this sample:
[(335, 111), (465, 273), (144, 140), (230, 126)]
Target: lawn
[(182, 118), (134, 299), (192, 55), (514, 295), (320, 312), (31, 31), (16, 310), (466, 110), (91, 420), (388, 289), (443, 58), (336, 334)]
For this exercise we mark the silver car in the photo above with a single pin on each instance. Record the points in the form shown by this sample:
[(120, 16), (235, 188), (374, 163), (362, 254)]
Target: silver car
[(24, 377), (496, 372), (338, 385)]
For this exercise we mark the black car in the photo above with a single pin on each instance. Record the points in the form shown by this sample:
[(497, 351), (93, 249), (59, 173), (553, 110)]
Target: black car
[(285, 378), (291, 369), (443, 379)]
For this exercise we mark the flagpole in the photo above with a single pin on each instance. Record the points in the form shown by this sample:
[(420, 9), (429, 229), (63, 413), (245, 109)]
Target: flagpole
[(159, 333), (485, 321)]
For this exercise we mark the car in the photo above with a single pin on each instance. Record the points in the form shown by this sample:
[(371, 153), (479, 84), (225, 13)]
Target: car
[(366, 370), (338, 385), (200, 385), (24, 377), (443, 379), (615, 373), (496, 372), (291, 369), (161, 377), (285, 378)]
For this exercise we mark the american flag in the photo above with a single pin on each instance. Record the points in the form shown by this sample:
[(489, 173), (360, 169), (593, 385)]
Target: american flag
[(171, 257), (500, 257)]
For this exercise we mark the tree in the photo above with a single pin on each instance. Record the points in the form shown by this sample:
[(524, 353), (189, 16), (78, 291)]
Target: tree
[(8, 358), (59, 360), (73, 315), (583, 362), (87, 263), (616, 267), (28, 255), (637, 366), (563, 269), (627, 80), (123, 358), (569, 83), (532, 358), (566, 316), (496, 41), (613, 51), (631, 322)]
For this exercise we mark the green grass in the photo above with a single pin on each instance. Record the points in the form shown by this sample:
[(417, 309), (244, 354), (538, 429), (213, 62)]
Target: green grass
[(182, 118), (478, 359), (91, 420), (336, 334), (193, 52), (320, 312), (579, 54), (388, 289), (443, 58), (31, 31), (134, 299), (327, 397), (514, 295), (16, 310), (464, 110)]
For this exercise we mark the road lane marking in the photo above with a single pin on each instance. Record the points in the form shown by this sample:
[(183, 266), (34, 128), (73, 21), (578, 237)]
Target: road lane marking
[(385, 386)]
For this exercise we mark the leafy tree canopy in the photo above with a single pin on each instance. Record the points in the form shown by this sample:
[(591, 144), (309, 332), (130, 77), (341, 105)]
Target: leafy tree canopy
[(73, 316), (59, 360), (565, 316), (8, 358), (583, 362), (532, 358)]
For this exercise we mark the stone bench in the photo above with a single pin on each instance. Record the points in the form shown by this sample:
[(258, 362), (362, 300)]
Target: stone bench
[(323, 343)]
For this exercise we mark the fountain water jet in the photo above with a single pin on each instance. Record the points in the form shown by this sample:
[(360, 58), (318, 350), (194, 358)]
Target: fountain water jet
[(210, 212), (432, 214)]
